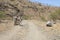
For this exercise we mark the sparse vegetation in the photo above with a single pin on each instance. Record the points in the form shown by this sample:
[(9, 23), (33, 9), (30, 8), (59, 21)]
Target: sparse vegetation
[(43, 18), (26, 17), (55, 16), (28, 8), (12, 0), (2, 15)]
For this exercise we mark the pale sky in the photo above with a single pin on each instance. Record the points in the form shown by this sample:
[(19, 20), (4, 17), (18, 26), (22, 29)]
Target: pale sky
[(49, 2)]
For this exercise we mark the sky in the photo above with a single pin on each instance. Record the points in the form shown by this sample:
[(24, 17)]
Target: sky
[(49, 2)]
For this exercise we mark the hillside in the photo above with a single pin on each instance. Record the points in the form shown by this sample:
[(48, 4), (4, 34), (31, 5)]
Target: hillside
[(31, 10), (33, 27)]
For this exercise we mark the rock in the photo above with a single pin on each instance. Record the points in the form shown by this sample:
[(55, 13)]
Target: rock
[(49, 24)]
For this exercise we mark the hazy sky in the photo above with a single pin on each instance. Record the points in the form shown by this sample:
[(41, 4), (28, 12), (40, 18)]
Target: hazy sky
[(49, 2)]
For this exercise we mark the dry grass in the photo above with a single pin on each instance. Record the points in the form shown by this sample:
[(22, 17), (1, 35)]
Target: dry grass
[(51, 32), (6, 25), (34, 10), (42, 24)]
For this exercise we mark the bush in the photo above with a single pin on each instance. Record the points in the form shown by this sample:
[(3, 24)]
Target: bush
[(26, 17), (2, 15), (56, 15), (43, 18), (53, 16)]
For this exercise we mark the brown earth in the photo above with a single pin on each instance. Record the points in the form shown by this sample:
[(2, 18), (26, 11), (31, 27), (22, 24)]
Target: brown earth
[(31, 30), (31, 10)]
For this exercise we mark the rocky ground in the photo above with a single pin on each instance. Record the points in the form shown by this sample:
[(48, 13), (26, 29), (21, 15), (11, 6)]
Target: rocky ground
[(31, 30)]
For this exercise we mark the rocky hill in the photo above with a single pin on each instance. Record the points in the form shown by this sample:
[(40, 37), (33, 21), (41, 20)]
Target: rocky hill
[(30, 9)]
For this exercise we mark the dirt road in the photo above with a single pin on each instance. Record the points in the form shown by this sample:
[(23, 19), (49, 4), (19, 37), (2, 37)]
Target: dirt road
[(34, 33), (29, 31)]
